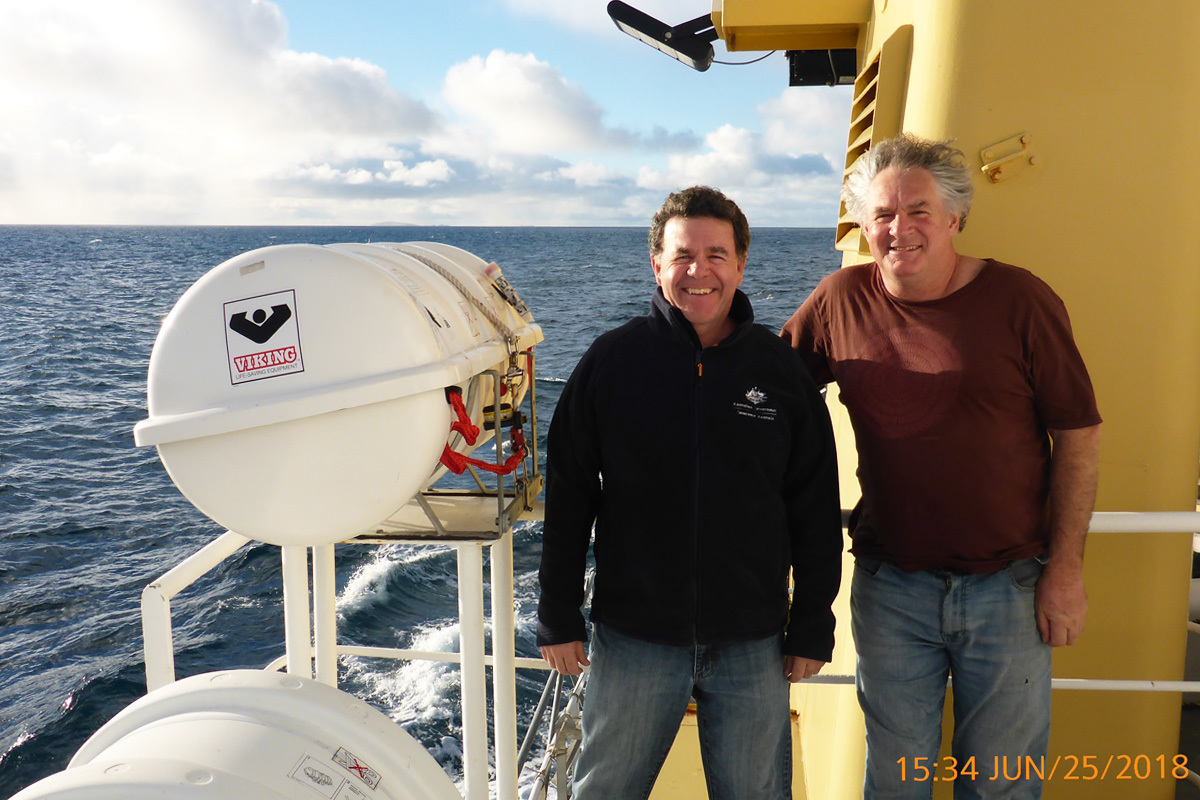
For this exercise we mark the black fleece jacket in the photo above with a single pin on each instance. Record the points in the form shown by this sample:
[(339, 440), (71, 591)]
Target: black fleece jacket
[(708, 473)]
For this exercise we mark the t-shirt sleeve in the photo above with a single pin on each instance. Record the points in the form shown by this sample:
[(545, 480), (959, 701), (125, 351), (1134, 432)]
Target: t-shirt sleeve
[(807, 332), (1063, 394)]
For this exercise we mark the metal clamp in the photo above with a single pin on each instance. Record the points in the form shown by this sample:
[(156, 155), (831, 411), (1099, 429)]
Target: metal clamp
[(1008, 158)]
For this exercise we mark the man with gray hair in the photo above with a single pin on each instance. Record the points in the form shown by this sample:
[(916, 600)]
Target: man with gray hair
[(958, 374)]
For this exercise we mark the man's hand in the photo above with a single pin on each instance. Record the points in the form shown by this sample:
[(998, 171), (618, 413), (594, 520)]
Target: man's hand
[(1061, 604), (796, 669), (567, 659)]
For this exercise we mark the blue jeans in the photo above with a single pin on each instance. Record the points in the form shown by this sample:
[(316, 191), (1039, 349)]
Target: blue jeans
[(911, 630), (637, 695)]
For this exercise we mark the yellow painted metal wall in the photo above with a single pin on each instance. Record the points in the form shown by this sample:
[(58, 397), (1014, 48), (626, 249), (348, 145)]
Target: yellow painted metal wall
[(1106, 94)]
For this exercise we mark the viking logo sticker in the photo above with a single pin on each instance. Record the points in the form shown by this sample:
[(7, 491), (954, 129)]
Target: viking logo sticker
[(263, 327), (262, 337)]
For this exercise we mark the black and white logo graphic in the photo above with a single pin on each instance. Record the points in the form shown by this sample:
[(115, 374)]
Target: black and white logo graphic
[(755, 406), (262, 337), (261, 327)]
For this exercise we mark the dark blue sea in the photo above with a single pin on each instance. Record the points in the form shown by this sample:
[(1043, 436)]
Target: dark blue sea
[(87, 519)]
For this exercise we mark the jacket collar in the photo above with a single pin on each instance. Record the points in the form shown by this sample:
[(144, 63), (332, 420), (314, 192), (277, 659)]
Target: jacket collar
[(669, 322)]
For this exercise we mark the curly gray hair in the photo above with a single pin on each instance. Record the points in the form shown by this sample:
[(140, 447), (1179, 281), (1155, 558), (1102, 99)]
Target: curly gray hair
[(945, 163)]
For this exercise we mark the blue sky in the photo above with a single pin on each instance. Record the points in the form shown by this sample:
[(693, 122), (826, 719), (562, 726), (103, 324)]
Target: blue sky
[(460, 112)]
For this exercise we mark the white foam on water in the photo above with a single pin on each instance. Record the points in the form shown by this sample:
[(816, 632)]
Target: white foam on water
[(368, 586)]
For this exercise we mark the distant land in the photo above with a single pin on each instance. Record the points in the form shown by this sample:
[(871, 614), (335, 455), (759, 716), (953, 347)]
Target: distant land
[(398, 225)]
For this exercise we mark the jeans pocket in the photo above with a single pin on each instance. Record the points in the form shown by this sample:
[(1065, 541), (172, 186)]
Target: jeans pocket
[(869, 565), (1025, 573)]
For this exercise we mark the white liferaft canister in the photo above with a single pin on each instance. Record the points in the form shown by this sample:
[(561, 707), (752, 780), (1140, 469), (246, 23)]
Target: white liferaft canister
[(248, 735), (296, 393)]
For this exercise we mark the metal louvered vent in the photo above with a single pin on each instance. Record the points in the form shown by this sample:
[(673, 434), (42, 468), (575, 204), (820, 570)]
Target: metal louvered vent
[(877, 114), (862, 125)]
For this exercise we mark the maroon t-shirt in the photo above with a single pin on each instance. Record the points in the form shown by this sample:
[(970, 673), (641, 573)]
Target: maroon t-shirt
[(950, 400)]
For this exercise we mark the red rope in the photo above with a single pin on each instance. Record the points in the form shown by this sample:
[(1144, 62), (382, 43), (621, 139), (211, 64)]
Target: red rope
[(463, 424), (457, 462)]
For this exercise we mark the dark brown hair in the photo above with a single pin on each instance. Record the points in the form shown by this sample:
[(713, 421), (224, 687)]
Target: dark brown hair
[(701, 201)]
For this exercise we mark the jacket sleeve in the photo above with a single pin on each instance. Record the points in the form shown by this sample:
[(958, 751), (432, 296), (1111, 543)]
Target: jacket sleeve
[(572, 502), (815, 522)]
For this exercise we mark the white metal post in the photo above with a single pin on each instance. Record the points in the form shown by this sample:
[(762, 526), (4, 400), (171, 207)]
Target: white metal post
[(156, 605), (297, 633), (157, 638), (325, 614), (504, 670), (474, 677)]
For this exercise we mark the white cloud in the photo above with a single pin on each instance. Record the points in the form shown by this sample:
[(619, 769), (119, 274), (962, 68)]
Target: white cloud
[(423, 174), (141, 97), (198, 111), (590, 15), (811, 120), (736, 157), (788, 175), (585, 174), (519, 104)]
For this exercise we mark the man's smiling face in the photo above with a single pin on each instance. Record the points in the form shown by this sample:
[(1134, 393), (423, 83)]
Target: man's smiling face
[(908, 229), (699, 270)]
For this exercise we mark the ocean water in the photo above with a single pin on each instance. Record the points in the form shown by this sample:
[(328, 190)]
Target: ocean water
[(87, 519)]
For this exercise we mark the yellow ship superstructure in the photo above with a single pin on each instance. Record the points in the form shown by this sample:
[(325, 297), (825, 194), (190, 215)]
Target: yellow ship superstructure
[(1080, 120)]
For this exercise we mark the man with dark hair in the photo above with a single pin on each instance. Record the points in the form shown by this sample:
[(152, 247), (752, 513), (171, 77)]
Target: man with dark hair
[(958, 373), (700, 449)]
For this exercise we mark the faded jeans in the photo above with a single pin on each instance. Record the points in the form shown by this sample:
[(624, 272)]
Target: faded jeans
[(911, 631), (637, 695)]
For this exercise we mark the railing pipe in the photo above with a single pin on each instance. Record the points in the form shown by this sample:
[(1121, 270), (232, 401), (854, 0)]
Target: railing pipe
[(536, 721), (156, 605), (402, 654), (325, 614), (1145, 522), (504, 671), (297, 630), (1069, 684), (474, 678)]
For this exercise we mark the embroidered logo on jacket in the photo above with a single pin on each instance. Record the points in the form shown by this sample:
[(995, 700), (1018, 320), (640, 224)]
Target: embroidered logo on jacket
[(753, 407)]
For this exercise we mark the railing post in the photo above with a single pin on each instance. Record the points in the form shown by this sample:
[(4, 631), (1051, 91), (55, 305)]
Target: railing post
[(157, 641), (504, 671), (297, 629), (474, 678), (156, 637), (325, 614)]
